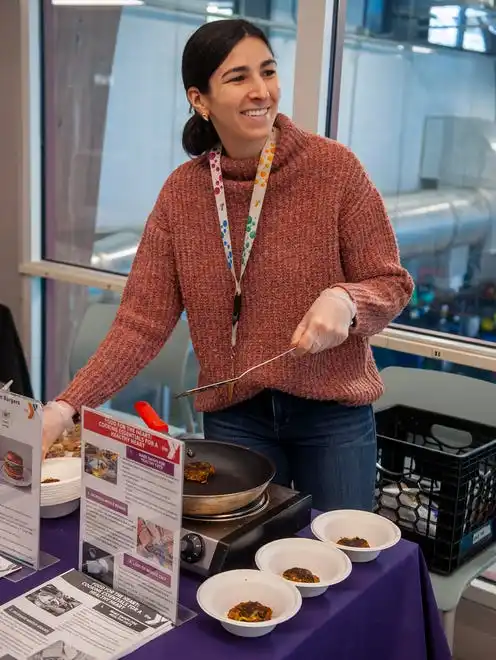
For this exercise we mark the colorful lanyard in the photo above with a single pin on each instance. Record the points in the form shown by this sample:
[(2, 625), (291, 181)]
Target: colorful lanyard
[(257, 198)]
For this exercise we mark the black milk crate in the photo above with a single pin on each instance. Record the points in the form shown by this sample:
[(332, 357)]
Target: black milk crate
[(436, 479)]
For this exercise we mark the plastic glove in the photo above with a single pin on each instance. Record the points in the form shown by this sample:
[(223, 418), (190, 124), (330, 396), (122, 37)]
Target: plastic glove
[(57, 418), (326, 324)]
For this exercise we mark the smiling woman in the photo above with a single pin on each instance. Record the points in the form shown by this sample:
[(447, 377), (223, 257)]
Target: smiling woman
[(233, 89), (270, 238)]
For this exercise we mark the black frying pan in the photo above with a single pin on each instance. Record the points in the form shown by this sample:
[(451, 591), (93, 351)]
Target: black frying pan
[(237, 469), (241, 475)]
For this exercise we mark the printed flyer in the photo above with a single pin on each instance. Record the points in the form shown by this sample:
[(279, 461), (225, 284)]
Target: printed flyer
[(20, 476), (131, 510), (74, 617)]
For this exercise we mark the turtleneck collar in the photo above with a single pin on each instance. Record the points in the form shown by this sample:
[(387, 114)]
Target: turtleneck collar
[(291, 140)]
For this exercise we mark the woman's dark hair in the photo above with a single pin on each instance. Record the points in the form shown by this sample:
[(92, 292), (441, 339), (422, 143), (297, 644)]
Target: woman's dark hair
[(204, 52)]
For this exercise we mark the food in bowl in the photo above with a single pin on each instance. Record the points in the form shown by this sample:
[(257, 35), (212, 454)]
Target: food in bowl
[(354, 542), (72, 439), (57, 450), (275, 599), (67, 445), (13, 466), (72, 442), (250, 611), (198, 471), (297, 574)]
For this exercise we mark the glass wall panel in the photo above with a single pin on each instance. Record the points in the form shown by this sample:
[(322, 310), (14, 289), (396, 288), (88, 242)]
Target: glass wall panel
[(418, 107), (114, 108)]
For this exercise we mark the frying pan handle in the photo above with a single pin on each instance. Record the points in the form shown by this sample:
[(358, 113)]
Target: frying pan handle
[(150, 417)]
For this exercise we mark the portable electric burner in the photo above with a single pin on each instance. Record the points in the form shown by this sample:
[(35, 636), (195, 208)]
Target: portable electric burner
[(211, 544)]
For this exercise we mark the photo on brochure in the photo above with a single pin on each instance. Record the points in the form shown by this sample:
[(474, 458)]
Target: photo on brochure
[(52, 600), (155, 543), (60, 651), (98, 563), (16, 464), (101, 463)]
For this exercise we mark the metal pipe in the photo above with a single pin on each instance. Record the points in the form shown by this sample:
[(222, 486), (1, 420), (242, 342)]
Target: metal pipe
[(435, 220), (425, 222)]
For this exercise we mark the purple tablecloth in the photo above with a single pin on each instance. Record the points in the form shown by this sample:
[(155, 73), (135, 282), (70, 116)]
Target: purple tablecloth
[(385, 610)]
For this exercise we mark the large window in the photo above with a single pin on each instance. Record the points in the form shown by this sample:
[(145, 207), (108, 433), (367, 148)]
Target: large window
[(418, 107), (114, 111)]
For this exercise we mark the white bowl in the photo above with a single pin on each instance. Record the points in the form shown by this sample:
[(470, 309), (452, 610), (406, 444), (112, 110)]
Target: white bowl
[(68, 488), (380, 532), (327, 562), (219, 593), (59, 510)]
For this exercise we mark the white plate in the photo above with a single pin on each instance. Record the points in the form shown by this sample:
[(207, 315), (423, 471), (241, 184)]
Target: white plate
[(59, 510), (22, 483), (380, 532), (61, 497), (325, 561), (66, 469), (68, 489), (219, 593)]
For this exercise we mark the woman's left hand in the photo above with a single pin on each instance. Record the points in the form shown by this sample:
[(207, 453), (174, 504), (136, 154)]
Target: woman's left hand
[(326, 324)]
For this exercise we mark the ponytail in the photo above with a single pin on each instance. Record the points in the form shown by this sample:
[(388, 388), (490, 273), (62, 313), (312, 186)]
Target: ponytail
[(199, 136)]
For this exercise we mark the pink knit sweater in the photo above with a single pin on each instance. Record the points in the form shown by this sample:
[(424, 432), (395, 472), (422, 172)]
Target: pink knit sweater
[(323, 223)]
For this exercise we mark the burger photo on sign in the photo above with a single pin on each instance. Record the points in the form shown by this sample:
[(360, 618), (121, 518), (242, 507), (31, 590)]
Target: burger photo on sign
[(15, 463)]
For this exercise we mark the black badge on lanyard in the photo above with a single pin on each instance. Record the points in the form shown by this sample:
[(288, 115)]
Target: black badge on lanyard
[(236, 309)]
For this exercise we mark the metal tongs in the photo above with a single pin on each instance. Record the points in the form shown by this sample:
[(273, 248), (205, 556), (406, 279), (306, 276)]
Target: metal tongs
[(230, 381)]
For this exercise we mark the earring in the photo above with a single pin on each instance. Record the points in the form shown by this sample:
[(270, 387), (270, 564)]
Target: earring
[(205, 116)]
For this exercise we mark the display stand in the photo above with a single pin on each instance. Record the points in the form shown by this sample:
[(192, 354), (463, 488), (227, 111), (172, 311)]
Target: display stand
[(45, 561), (131, 512), (184, 614), (21, 424)]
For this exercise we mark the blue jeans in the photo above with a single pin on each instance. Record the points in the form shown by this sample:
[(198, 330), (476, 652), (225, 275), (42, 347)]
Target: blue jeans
[(319, 447)]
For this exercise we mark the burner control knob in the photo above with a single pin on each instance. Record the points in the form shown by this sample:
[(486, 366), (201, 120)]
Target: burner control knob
[(192, 548)]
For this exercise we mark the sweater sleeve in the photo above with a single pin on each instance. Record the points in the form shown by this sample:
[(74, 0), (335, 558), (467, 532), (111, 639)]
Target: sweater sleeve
[(375, 280), (150, 307)]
